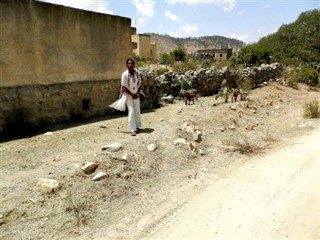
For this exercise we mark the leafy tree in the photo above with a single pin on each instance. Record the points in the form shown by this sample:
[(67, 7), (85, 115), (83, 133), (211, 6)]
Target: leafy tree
[(296, 43), (178, 54), (165, 58)]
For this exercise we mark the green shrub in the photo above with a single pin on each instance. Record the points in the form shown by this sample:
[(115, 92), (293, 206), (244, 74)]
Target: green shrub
[(311, 109), (308, 76), (184, 66), (161, 71)]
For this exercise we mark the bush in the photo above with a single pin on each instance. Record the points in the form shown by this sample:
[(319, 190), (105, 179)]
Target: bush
[(308, 76), (184, 66), (161, 71), (311, 109), (165, 58)]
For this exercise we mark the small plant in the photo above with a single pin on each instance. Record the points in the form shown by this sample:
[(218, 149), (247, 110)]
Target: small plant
[(162, 70), (311, 109), (240, 144)]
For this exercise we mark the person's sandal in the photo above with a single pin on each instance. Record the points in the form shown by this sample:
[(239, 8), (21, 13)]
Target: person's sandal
[(133, 134)]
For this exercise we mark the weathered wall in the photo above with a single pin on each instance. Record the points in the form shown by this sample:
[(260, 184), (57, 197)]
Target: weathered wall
[(145, 48), (45, 43), (59, 63)]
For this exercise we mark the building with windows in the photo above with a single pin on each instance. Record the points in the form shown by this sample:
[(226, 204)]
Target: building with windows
[(145, 48), (217, 54)]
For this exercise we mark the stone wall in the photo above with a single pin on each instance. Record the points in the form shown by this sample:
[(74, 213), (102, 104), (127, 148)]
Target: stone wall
[(39, 105), (208, 81)]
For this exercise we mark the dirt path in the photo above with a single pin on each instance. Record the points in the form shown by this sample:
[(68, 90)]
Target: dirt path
[(273, 197)]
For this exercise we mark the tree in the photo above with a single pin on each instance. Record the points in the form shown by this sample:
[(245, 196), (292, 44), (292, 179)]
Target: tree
[(178, 54)]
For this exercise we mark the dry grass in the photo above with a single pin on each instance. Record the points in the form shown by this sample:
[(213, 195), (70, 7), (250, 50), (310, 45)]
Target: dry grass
[(240, 143), (311, 109)]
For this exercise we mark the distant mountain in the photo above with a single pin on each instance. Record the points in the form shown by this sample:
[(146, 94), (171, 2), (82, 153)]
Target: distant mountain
[(166, 43)]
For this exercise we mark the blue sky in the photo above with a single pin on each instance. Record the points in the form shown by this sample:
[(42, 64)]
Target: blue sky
[(245, 20)]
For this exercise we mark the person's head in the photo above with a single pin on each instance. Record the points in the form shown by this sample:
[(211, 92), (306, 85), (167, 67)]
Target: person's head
[(130, 63)]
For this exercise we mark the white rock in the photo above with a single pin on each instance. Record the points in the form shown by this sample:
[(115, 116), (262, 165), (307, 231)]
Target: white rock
[(179, 141), (48, 134), (152, 147), (45, 185), (114, 147), (232, 127), (99, 176)]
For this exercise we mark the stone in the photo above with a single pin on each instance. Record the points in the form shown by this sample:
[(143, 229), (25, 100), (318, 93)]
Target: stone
[(114, 147), (197, 136), (179, 141), (99, 176), (89, 167), (152, 147), (46, 185)]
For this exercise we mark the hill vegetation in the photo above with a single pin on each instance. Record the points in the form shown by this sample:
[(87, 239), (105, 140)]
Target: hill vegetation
[(296, 44), (166, 43)]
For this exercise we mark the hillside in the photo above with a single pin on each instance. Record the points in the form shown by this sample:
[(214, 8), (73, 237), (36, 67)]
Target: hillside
[(166, 43)]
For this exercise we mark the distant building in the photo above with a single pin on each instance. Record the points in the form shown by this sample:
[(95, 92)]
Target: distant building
[(217, 54), (145, 48)]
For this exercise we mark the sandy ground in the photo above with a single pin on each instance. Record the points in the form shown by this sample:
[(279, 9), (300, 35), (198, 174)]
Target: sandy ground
[(144, 194), (276, 196)]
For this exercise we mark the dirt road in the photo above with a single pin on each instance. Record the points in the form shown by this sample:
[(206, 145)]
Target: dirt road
[(272, 197)]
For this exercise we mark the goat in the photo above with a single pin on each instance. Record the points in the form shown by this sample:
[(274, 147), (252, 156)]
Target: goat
[(190, 96), (235, 94)]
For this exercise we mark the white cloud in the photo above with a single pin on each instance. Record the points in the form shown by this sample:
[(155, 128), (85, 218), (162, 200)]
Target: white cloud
[(228, 5), (94, 6), (145, 10), (239, 36), (266, 5), (171, 16), (188, 29)]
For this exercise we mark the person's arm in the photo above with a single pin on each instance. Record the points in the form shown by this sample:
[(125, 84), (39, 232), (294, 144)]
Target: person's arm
[(140, 81)]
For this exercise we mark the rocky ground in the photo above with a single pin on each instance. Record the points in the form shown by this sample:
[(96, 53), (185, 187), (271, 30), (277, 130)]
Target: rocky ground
[(179, 151)]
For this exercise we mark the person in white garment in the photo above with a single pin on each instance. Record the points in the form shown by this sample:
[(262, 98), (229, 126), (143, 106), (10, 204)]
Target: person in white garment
[(130, 86)]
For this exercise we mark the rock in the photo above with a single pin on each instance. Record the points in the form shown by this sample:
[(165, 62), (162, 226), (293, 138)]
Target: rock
[(179, 141), (114, 147), (89, 167), (99, 176), (168, 99), (250, 127), (45, 185), (152, 147), (197, 136), (192, 147), (232, 127)]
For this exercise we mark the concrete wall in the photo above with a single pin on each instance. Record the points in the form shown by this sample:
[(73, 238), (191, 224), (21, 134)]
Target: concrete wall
[(58, 62), (145, 48)]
